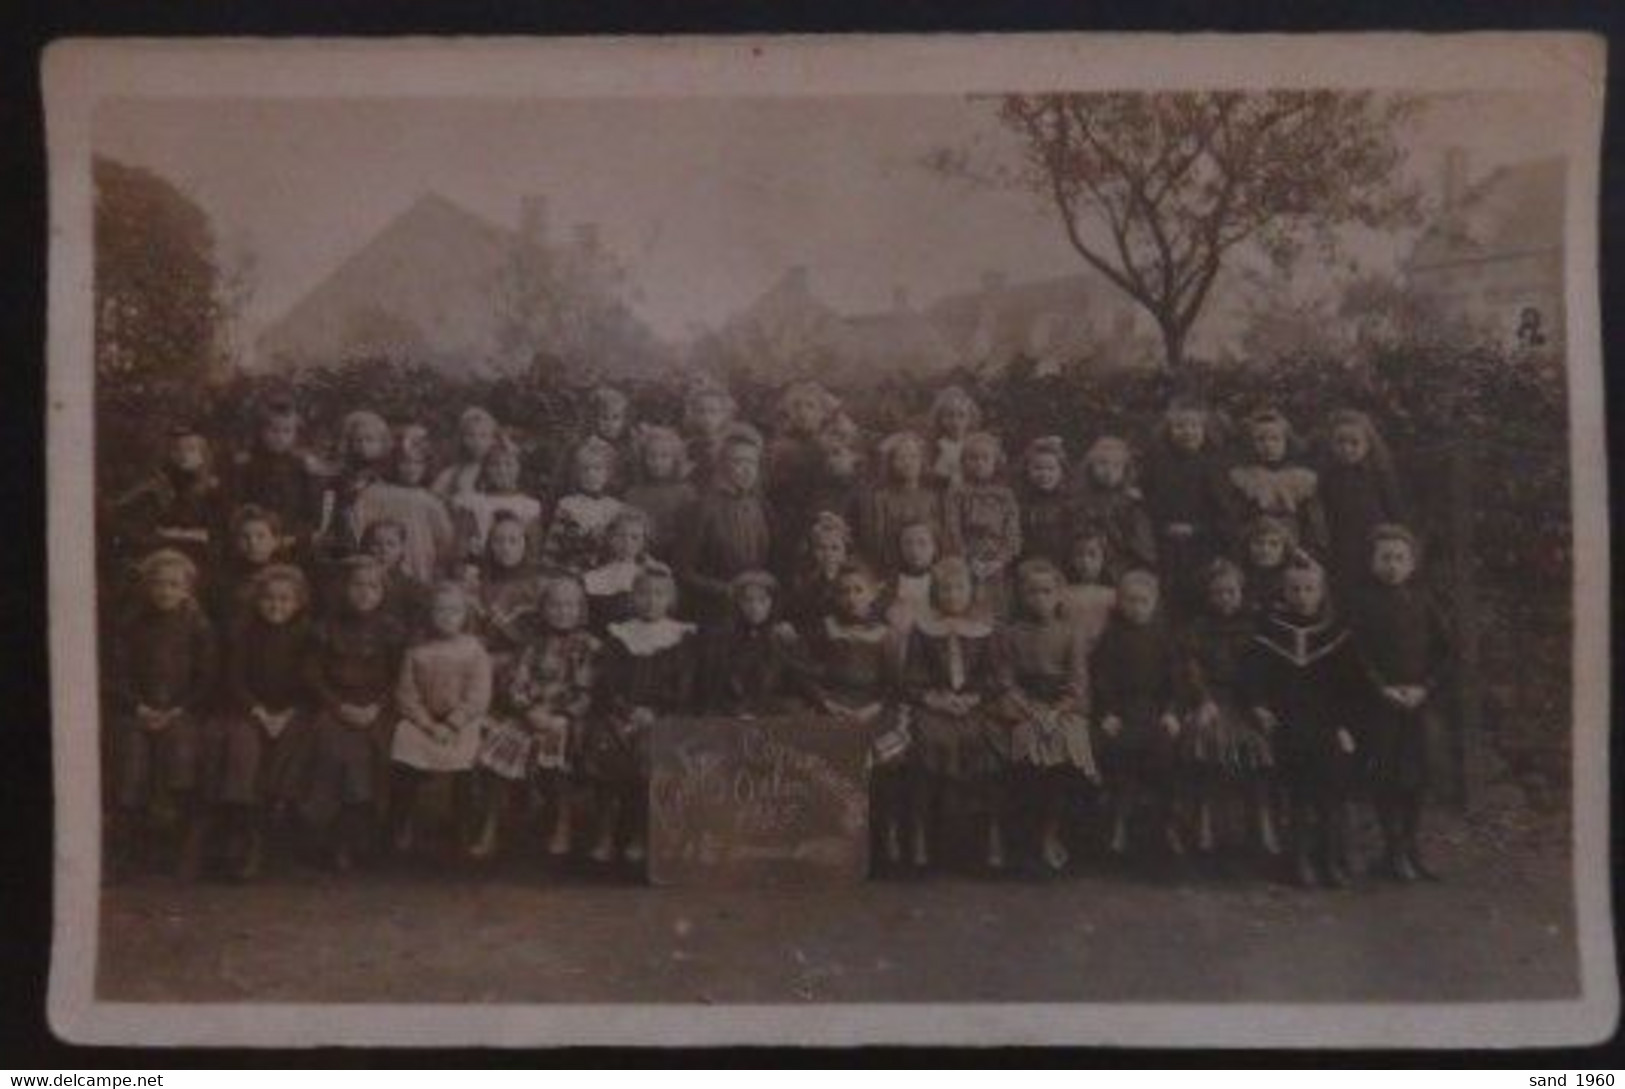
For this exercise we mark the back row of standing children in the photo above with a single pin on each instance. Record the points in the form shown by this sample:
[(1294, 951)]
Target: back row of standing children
[(1156, 625)]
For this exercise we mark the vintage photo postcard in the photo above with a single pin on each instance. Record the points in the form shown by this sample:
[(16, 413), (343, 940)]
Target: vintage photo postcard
[(958, 540)]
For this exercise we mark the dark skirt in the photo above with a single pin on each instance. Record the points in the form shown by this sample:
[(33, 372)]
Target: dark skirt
[(256, 768), (1396, 747), (969, 746), (346, 764), (614, 752), (1142, 749), (1312, 766), (154, 763)]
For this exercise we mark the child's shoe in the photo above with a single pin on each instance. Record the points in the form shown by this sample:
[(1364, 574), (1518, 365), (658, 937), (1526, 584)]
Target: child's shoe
[(1173, 840), (603, 848), (1118, 843), (1268, 841), (995, 848), (485, 844), (1423, 871), (1204, 830), (558, 844), (248, 869), (405, 837), (1303, 870), (894, 844), (1056, 856), (635, 852)]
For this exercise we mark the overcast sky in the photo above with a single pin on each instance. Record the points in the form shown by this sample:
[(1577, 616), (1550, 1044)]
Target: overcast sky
[(707, 200)]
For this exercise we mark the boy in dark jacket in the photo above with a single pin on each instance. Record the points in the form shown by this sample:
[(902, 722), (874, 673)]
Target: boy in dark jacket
[(1304, 683), (1405, 647)]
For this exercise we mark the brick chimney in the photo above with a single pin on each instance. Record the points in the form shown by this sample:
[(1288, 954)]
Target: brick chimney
[(900, 301)]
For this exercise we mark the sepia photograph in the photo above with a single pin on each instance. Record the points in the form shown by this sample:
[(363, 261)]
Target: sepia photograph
[(1045, 539)]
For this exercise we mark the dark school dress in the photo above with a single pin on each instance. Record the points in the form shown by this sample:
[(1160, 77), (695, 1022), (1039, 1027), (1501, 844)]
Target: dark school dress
[(1306, 672), (1357, 499), (665, 502), (855, 667), (648, 664), (163, 661), (1220, 732), (1184, 495), (810, 598), (726, 533), (172, 509), (1403, 640), (1261, 587), (266, 762), (883, 513), (954, 674), (283, 482), (1049, 519), (1138, 677), (1121, 514), (509, 600), (755, 669), (355, 660), (794, 464), (231, 596)]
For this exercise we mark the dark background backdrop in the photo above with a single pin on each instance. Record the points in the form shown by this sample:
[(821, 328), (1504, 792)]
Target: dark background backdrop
[(25, 28)]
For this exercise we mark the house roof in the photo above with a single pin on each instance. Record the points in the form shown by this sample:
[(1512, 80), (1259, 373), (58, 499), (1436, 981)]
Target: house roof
[(1516, 209), (429, 265), (999, 320)]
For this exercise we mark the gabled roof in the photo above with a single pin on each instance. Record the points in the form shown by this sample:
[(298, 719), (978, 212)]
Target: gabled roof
[(1514, 210), (434, 259)]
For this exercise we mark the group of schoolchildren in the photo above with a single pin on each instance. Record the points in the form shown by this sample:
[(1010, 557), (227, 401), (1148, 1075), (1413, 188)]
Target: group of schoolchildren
[(1179, 631)]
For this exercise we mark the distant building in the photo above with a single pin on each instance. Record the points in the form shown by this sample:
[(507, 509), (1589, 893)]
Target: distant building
[(790, 331), (1494, 255), (1052, 321), (438, 286)]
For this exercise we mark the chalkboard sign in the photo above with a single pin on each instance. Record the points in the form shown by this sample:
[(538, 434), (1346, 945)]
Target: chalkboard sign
[(766, 801)]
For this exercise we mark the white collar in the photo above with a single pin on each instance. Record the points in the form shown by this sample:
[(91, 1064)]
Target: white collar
[(646, 637)]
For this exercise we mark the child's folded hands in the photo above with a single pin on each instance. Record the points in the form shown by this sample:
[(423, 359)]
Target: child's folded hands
[(358, 714), (153, 719), (1111, 725)]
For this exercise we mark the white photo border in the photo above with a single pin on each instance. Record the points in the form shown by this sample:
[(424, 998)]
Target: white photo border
[(78, 74)]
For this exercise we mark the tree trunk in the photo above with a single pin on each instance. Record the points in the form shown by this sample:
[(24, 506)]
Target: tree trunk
[(1173, 343)]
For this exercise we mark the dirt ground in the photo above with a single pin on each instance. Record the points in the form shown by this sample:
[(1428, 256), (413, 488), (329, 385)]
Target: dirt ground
[(1500, 927)]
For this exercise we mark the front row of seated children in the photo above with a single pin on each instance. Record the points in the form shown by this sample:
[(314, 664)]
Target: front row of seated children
[(340, 726)]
